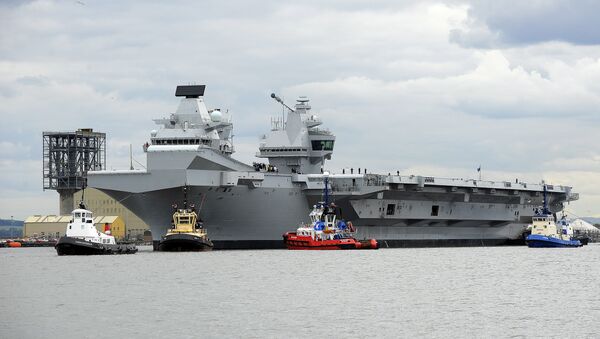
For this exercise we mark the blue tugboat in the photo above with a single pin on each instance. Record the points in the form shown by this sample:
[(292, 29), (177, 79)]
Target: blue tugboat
[(546, 233)]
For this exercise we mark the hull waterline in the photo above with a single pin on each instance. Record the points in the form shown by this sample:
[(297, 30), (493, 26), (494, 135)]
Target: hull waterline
[(184, 243), (76, 246), (539, 241)]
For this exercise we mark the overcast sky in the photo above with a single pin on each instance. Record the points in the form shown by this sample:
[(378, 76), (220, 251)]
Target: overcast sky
[(423, 87)]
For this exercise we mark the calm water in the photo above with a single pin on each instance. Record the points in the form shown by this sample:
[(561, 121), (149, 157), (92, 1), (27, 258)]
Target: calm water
[(433, 292)]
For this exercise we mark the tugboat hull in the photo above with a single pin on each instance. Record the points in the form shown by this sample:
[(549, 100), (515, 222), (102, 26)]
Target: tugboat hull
[(76, 246), (583, 239), (184, 243), (536, 240), (294, 242)]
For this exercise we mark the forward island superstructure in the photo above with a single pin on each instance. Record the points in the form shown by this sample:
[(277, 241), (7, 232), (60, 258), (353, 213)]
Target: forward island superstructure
[(250, 206)]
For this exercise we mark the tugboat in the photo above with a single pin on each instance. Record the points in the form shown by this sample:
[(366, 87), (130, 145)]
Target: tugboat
[(546, 233), (326, 231), (82, 237), (187, 232)]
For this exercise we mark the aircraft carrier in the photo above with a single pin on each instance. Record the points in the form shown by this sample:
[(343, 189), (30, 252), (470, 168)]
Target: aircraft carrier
[(250, 206)]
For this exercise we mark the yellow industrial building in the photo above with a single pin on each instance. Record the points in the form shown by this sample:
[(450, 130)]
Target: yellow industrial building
[(123, 223), (54, 226)]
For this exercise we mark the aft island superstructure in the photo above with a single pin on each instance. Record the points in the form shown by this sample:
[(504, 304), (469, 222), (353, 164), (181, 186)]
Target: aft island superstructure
[(251, 206)]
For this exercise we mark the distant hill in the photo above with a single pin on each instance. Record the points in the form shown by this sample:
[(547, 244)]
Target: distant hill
[(11, 228), (9, 223)]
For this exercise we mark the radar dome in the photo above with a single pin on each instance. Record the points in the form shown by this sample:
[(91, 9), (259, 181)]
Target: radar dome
[(153, 133), (216, 115)]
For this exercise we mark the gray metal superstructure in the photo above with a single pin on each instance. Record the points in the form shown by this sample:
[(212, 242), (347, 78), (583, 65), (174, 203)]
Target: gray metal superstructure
[(245, 206), (68, 156)]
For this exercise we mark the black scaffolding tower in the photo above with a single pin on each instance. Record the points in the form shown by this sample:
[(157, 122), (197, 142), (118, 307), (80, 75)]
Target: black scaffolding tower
[(68, 156)]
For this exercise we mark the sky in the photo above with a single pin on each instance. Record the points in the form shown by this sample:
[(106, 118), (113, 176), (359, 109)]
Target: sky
[(422, 87)]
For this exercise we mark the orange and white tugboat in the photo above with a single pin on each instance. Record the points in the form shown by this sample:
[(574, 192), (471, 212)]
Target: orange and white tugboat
[(326, 231)]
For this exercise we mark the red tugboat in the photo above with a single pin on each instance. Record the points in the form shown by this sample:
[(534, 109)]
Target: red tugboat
[(325, 232)]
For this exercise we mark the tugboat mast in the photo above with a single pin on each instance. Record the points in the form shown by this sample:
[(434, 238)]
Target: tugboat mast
[(185, 197), (545, 207), (326, 189), (81, 203)]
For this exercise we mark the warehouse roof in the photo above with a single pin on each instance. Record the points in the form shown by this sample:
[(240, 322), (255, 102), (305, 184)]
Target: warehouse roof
[(100, 219), (582, 225)]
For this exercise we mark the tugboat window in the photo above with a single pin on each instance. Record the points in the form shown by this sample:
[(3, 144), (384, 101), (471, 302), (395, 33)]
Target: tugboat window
[(391, 208), (435, 209)]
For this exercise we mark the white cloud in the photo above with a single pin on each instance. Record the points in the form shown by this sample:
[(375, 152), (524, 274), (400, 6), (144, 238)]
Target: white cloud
[(388, 78), (501, 23), (11, 149)]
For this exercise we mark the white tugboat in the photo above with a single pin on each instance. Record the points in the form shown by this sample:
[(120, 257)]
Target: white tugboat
[(82, 237), (545, 232)]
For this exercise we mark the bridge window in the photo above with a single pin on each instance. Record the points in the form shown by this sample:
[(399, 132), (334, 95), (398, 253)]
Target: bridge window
[(322, 145), (435, 210), (391, 209)]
